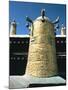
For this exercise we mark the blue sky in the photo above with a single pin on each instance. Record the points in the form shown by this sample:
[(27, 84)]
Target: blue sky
[(19, 11)]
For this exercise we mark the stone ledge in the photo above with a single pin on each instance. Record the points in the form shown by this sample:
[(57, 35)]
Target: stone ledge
[(17, 82)]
